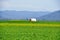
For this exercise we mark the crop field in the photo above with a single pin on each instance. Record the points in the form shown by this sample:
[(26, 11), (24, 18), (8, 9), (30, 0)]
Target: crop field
[(26, 30)]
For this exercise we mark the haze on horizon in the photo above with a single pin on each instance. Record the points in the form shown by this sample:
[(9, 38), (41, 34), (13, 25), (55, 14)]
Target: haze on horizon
[(30, 5)]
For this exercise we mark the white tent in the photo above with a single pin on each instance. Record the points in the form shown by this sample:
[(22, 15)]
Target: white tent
[(33, 19)]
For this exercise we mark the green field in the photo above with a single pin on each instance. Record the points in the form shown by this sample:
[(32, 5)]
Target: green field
[(9, 30)]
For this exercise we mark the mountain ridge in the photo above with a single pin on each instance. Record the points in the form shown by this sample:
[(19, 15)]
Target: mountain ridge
[(21, 14), (52, 16)]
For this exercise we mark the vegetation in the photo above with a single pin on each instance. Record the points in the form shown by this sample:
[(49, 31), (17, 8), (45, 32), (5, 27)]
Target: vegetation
[(26, 30), (27, 21)]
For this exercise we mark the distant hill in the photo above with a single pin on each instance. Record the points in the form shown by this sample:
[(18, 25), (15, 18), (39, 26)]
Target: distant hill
[(0, 15), (21, 14), (53, 16)]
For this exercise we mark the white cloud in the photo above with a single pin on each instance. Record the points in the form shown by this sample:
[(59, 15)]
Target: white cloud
[(30, 5)]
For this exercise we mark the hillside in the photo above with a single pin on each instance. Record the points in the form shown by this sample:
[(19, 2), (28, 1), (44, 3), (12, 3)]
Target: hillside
[(21, 14), (53, 16)]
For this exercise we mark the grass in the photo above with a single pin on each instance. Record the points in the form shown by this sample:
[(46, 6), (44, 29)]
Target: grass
[(13, 30), (29, 33), (26, 21), (29, 24)]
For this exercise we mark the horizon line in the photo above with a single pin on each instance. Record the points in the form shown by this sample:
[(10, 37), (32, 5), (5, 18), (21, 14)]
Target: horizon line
[(31, 10)]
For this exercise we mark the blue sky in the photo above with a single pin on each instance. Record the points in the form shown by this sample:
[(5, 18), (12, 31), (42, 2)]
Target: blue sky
[(30, 5)]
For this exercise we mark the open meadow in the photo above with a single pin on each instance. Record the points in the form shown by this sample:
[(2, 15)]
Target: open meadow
[(26, 30)]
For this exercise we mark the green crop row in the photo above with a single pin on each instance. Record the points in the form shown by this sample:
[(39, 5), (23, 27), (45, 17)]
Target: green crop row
[(29, 33), (27, 21)]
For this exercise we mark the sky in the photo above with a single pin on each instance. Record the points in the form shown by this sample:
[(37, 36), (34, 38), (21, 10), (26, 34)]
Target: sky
[(30, 5)]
